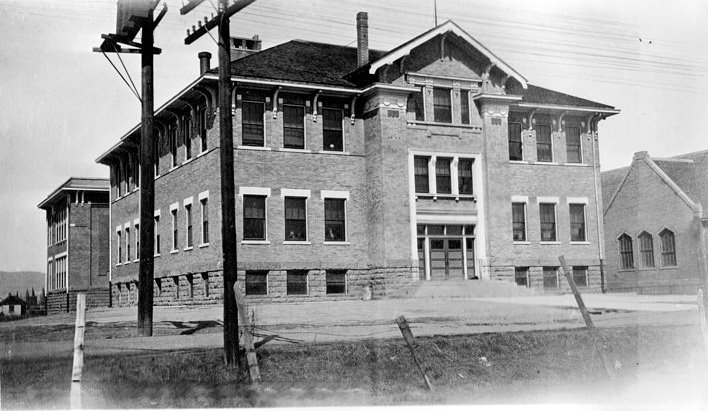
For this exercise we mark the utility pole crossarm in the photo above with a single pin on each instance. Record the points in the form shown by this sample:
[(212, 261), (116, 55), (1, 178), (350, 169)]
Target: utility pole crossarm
[(202, 30), (190, 6)]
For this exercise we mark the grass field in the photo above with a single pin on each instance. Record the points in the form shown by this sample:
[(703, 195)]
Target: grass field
[(525, 367)]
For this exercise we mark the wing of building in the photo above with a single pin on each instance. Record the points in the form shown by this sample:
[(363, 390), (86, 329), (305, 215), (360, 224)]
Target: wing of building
[(77, 244), (362, 168), (653, 222)]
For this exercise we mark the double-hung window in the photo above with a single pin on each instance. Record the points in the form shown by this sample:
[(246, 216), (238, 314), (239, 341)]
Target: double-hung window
[(156, 153), (157, 232), (422, 185), (175, 229), (137, 241), (204, 202), (252, 115), (442, 175), (335, 219), (332, 137), (120, 246), (172, 133), (202, 118), (516, 148), (188, 225), (442, 105), (626, 252), (521, 276), (518, 218), (464, 176), (127, 245), (416, 106), (254, 218), (580, 275), (296, 282), (577, 222), (336, 281), (544, 143), (465, 106), (187, 127), (548, 221), (256, 282), (572, 144), (550, 277), (295, 219), (294, 126)]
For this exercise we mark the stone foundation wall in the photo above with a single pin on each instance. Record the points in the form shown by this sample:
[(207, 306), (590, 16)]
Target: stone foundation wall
[(57, 301)]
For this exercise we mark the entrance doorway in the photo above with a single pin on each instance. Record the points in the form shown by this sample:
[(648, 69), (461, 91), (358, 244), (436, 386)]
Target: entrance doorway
[(446, 252)]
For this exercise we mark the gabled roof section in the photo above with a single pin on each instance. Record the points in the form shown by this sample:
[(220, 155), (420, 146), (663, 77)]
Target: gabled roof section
[(12, 300), (77, 184), (644, 156), (448, 26), (611, 181), (301, 61), (681, 172), (536, 95)]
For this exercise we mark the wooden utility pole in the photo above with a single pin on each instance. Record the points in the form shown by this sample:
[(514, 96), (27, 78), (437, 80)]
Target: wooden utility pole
[(410, 342), (228, 206), (147, 183), (134, 16), (594, 335)]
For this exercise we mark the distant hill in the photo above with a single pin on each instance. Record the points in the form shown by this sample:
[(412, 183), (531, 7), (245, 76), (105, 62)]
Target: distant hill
[(19, 281)]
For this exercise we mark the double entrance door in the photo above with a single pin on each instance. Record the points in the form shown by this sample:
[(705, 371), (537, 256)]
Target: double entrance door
[(443, 257)]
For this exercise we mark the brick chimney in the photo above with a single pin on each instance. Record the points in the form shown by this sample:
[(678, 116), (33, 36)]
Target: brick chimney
[(243, 46), (362, 38), (204, 61), (640, 155)]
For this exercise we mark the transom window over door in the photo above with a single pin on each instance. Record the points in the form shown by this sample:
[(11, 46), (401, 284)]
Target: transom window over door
[(252, 123), (442, 105), (293, 126)]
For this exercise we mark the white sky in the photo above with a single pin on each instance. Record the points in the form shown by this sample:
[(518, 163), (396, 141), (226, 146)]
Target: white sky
[(63, 105)]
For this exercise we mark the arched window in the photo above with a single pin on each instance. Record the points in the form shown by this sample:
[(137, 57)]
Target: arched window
[(626, 252), (668, 248), (646, 249)]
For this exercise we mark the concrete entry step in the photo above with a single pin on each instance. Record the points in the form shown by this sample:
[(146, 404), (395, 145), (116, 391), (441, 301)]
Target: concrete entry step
[(461, 289)]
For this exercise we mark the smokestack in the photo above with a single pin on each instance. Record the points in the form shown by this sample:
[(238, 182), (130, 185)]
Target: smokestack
[(204, 58), (362, 38)]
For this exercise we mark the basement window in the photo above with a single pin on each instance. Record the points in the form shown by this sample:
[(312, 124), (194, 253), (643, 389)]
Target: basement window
[(297, 282)]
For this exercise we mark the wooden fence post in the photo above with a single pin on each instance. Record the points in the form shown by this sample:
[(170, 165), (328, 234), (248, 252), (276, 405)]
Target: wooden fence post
[(253, 369), (410, 342), (78, 351), (594, 335), (702, 318)]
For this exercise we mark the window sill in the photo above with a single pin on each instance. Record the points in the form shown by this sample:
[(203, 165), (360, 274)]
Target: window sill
[(545, 163), (156, 255), (119, 264), (519, 162), (257, 148), (187, 160), (334, 152), (188, 248), (577, 164), (627, 270), (435, 123), (671, 267), (127, 262), (201, 153), (522, 242), (295, 150), (202, 245), (136, 261), (297, 243), (336, 243), (580, 243), (174, 251), (435, 197), (255, 242), (549, 242)]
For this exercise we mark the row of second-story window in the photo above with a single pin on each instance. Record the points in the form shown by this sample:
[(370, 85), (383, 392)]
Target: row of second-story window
[(441, 175), (128, 240), (56, 273), (543, 125), (548, 221), (667, 244), (57, 226)]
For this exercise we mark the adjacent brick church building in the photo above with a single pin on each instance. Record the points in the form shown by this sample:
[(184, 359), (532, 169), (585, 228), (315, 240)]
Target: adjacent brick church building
[(77, 244), (432, 161), (653, 223)]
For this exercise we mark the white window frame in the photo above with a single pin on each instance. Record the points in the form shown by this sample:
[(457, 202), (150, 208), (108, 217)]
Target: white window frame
[(337, 195), (119, 241), (298, 193), (156, 227), (174, 211), (187, 204), (126, 227), (204, 195), (256, 191), (239, 97), (136, 230)]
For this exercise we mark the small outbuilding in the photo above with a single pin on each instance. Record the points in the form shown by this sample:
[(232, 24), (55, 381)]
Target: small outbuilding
[(13, 306)]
